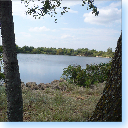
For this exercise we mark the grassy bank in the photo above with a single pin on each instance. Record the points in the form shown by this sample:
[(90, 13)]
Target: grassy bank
[(73, 104)]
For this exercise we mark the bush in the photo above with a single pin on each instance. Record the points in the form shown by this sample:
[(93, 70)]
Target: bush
[(85, 77)]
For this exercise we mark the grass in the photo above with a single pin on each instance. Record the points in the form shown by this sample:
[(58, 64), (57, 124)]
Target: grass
[(74, 104)]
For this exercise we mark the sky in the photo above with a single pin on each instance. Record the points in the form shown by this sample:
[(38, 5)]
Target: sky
[(77, 28)]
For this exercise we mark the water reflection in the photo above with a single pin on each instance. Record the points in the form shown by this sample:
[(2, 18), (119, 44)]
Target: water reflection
[(42, 68)]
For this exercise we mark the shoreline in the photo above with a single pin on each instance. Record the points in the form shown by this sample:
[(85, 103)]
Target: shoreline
[(55, 84), (66, 55)]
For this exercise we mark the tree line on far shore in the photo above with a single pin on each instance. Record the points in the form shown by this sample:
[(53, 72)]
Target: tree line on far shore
[(63, 51)]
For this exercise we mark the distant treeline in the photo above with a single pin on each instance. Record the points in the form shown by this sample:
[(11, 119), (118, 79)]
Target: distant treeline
[(63, 51)]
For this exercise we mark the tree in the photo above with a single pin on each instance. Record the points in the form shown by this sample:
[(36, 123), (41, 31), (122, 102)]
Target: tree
[(109, 107), (100, 53), (11, 68), (109, 50), (50, 8), (59, 51)]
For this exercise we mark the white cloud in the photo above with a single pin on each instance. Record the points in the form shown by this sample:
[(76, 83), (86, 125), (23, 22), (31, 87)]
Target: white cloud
[(70, 3), (25, 34), (74, 35), (114, 5), (100, 34), (55, 30), (72, 11), (66, 36), (107, 15), (19, 9), (65, 23), (69, 29), (38, 29)]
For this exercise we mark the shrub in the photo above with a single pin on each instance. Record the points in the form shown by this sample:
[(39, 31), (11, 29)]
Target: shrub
[(84, 77)]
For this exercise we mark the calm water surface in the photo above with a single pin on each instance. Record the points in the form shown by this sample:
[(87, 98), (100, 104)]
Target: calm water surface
[(41, 68)]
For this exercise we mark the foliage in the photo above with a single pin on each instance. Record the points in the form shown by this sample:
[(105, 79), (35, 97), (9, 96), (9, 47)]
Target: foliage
[(49, 7), (109, 50), (85, 77), (73, 73), (63, 51)]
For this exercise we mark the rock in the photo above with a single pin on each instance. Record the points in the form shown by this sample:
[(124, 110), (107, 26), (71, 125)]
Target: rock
[(32, 85), (36, 88), (62, 80), (23, 85), (56, 87), (62, 86), (47, 85), (41, 86), (55, 82)]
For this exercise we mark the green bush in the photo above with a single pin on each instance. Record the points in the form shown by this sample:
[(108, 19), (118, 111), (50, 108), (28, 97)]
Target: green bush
[(84, 77)]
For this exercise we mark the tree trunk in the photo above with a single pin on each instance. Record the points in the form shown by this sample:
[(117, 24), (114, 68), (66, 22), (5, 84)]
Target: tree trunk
[(109, 107), (11, 68)]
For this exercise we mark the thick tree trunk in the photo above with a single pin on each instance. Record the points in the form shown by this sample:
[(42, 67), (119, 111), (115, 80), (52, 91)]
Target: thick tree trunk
[(109, 107), (11, 68)]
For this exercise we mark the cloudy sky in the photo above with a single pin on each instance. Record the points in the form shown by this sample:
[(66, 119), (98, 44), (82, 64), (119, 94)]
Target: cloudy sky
[(77, 28)]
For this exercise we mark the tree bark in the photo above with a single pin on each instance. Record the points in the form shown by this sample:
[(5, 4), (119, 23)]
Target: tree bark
[(109, 107), (11, 68)]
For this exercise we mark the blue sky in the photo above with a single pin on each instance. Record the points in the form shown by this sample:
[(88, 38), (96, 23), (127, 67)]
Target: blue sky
[(78, 28)]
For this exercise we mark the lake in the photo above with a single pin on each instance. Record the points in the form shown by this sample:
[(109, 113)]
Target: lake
[(42, 68)]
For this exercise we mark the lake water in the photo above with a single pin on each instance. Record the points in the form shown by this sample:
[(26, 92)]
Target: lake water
[(41, 68)]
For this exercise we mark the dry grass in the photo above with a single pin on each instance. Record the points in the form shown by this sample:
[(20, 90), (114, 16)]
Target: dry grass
[(73, 104)]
